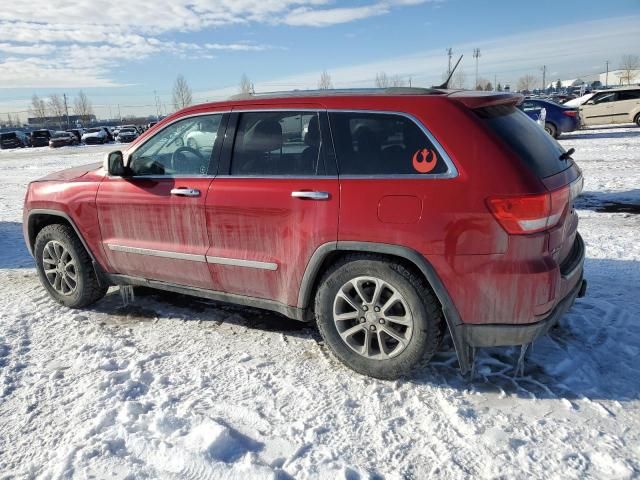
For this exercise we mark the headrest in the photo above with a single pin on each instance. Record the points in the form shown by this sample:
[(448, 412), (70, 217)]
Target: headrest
[(368, 141), (312, 137), (264, 136)]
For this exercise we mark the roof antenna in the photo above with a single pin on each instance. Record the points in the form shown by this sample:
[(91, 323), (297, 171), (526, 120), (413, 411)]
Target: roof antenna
[(445, 85)]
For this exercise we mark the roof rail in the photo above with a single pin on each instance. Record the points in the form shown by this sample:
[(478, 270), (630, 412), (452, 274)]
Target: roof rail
[(339, 92)]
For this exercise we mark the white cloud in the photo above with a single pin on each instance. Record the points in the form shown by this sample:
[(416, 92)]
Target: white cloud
[(71, 35)]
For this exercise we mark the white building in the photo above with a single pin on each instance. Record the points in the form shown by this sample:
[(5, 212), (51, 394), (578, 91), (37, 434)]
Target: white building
[(613, 79)]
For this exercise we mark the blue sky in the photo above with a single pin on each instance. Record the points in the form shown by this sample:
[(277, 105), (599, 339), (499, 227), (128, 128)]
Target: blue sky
[(121, 53)]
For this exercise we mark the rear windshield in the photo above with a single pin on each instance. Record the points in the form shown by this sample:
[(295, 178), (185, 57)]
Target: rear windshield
[(94, 130), (41, 133), (528, 140), (7, 136)]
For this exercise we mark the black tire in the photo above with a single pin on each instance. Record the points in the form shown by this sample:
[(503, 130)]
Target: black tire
[(88, 290), (551, 129), (428, 322), (637, 120)]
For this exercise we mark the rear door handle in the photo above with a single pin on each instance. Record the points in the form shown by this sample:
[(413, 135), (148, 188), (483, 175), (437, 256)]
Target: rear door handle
[(185, 192), (311, 195)]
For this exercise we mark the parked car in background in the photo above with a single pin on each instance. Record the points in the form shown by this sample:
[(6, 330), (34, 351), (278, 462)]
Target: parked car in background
[(151, 124), (127, 134), (62, 139), (203, 136), (619, 105), (95, 135), (15, 139), (383, 224), (40, 138), (558, 120), (78, 132)]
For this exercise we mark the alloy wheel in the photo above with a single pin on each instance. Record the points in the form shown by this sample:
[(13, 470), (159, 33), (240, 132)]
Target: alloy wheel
[(372, 318), (60, 268)]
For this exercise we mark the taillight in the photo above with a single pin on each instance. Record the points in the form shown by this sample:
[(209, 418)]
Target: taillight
[(525, 214), (570, 113)]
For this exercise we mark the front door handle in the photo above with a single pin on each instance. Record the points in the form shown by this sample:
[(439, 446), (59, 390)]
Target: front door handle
[(311, 195), (185, 192)]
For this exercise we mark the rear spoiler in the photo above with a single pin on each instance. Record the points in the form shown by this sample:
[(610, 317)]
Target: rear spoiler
[(472, 99)]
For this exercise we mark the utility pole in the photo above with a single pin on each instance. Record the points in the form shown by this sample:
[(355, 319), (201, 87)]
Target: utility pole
[(157, 100), (449, 54), (476, 55), (606, 81), (66, 108), (495, 82), (409, 81), (544, 76)]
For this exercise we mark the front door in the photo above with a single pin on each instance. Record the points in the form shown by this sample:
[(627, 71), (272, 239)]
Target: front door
[(599, 109), (153, 220), (275, 204)]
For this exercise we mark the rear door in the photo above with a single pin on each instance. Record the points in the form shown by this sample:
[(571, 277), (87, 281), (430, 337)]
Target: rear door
[(626, 106), (275, 201), (153, 221)]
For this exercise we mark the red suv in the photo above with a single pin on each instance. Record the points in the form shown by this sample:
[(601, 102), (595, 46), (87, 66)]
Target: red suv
[(385, 216)]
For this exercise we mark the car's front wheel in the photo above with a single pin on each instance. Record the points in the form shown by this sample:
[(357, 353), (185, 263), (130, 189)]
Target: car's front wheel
[(65, 268), (377, 317), (637, 120)]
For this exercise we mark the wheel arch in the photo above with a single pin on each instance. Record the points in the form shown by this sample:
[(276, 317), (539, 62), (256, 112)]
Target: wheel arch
[(40, 218), (328, 253)]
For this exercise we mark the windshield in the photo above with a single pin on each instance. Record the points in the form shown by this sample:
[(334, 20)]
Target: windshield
[(94, 130), (527, 139), (127, 130)]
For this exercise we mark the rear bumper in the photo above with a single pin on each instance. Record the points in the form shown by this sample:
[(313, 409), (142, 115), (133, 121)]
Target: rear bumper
[(496, 335)]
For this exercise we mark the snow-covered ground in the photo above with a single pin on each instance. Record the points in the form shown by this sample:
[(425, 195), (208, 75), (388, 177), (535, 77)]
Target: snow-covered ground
[(176, 387)]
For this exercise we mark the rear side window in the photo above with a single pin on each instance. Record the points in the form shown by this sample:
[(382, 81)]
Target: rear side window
[(382, 144), (629, 95), (278, 143), (537, 149)]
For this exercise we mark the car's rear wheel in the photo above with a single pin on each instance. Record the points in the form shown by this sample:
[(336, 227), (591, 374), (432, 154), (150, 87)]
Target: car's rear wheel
[(551, 129), (65, 268), (637, 120), (377, 317)]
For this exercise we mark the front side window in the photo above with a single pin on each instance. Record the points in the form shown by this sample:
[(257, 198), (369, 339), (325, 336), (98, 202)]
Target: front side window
[(278, 143), (183, 148), (383, 144), (605, 98)]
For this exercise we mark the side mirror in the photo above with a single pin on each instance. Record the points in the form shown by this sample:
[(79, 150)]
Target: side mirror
[(114, 164), (590, 102)]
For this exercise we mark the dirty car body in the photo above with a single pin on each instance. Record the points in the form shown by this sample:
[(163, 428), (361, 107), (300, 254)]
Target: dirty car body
[(458, 191)]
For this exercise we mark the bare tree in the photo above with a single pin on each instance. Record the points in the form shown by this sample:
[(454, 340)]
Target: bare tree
[(484, 84), (56, 107), (246, 86), (9, 120), (459, 79), (526, 82), (382, 80), (325, 81), (629, 66), (83, 108), (38, 108), (182, 96), (397, 81)]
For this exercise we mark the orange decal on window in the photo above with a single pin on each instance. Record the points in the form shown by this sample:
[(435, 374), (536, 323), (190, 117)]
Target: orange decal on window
[(427, 162)]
